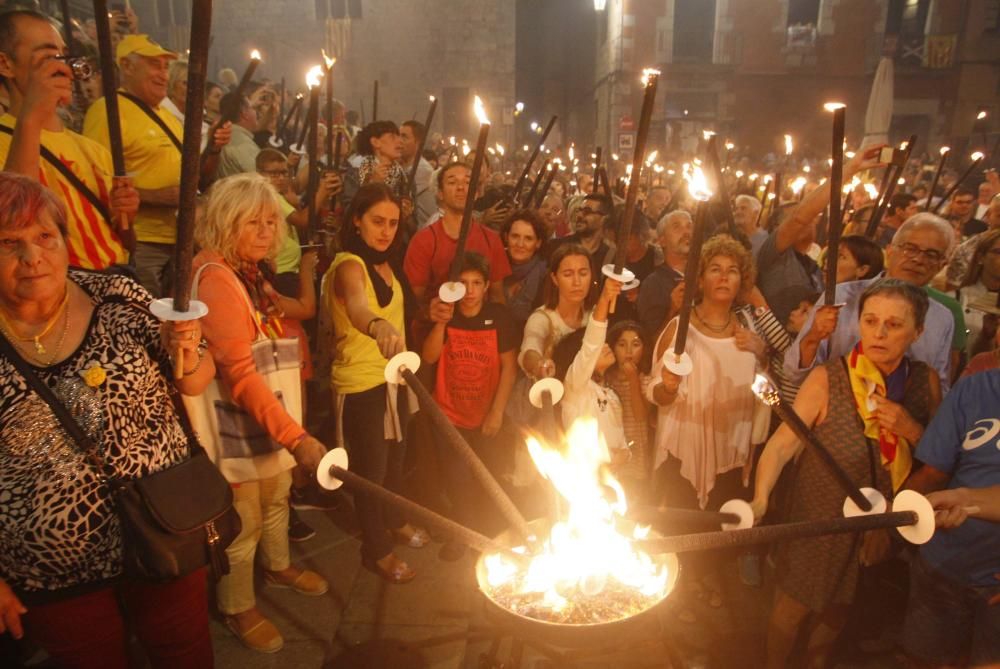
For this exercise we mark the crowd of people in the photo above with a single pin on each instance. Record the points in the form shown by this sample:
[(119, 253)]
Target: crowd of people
[(899, 376)]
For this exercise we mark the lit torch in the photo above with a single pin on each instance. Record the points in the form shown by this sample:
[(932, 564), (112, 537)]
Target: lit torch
[(453, 290), (675, 359)]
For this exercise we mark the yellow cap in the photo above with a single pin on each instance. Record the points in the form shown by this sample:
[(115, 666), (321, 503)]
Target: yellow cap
[(142, 45)]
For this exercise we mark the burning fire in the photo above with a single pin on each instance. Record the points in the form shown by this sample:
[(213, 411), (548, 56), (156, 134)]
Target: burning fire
[(585, 554), (698, 184), (477, 106), (329, 60), (788, 145), (648, 74), (314, 76), (255, 55)]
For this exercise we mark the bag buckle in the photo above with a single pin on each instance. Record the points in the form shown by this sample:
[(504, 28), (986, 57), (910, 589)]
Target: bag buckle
[(213, 534)]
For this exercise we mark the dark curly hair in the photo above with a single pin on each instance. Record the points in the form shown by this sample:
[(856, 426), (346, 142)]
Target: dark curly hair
[(372, 130)]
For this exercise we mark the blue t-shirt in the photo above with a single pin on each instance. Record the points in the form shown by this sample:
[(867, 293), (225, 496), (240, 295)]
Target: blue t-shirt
[(963, 440)]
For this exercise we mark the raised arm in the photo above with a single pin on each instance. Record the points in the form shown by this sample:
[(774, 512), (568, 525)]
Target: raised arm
[(812, 205)]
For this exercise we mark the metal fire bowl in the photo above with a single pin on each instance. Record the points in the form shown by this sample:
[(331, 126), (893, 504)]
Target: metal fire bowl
[(590, 635)]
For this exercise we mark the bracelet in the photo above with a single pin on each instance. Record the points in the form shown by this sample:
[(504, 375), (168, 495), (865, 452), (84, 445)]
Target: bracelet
[(368, 328), (202, 348)]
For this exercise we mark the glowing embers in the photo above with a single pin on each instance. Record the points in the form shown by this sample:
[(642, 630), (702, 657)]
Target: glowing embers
[(587, 570)]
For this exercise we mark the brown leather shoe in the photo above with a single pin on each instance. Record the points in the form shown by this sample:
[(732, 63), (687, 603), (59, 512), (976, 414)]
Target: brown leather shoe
[(306, 583), (263, 637)]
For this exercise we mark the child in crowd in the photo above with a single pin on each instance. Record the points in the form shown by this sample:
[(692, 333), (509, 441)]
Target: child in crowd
[(582, 360), (628, 377), (474, 344)]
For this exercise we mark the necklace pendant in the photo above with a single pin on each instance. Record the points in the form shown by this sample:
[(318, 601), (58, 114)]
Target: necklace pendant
[(39, 348)]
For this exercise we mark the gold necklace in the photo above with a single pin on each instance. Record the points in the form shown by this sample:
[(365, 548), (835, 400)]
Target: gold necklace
[(36, 339), (714, 328), (35, 355)]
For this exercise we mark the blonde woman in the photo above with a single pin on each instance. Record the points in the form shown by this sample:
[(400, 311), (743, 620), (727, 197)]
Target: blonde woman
[(239, 231)]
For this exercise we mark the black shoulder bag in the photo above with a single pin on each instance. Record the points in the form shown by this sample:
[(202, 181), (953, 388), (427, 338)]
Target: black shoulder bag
[(174, 521)]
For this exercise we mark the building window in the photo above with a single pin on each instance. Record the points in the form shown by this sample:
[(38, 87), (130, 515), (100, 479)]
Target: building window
[(992, 21), (338, 9), (803, 12), (907, 17), (694, 31)]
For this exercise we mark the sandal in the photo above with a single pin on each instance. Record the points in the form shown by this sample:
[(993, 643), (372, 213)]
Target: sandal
[(416, 538), (263, 637), (398, 575)]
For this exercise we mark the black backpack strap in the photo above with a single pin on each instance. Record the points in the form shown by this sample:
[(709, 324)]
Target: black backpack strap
[(67, 173), (154, 117)]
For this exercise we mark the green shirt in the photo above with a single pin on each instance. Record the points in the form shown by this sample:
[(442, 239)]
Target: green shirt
[(290, 254), (958, 337)]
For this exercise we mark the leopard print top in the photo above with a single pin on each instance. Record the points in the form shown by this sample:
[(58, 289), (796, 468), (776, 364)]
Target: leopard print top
[(58, 526)]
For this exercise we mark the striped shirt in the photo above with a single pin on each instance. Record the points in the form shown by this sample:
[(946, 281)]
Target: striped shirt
[(91, 241)]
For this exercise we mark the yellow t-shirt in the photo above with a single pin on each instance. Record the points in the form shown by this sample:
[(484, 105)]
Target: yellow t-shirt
[(151, 159), (358, 365), (91, 241), (290, 254)]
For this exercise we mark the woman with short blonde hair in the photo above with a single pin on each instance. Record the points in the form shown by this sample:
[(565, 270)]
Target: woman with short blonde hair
[(241, 229)]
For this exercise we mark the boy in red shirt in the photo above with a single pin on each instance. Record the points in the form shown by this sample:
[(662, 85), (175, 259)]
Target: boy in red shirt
[(474, 343)]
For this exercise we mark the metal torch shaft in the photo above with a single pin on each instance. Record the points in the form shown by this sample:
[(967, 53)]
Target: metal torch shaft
[(455, 441), (721, 191), (883, 204), (418, 512), (836, 222), (934, 182), (638, 156), (955, 186), (684, 543), (803, 432), (531, 159)]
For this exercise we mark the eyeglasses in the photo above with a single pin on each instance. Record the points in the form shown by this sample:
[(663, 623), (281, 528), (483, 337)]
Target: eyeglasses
[(587, 211), (912, 251)]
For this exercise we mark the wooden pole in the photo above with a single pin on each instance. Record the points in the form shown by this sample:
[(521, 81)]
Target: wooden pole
[(194, 109)]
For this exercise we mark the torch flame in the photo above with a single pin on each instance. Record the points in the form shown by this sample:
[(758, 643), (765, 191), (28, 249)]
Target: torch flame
[(978, 155), (255, 55), (798, 184), (788, 145), (833, 106), (873, 192), (313, 76), (698, 184), (500, 148), (765, 390), (329, 60), (585, 551), (944, 150), (648, 74), (651, 158), (981, 115), (477, 105), (431, 98), (707, 134)]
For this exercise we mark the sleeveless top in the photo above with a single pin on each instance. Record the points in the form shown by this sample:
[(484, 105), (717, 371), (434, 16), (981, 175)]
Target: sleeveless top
[(709, 425), (823, 570), (358, 365)]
